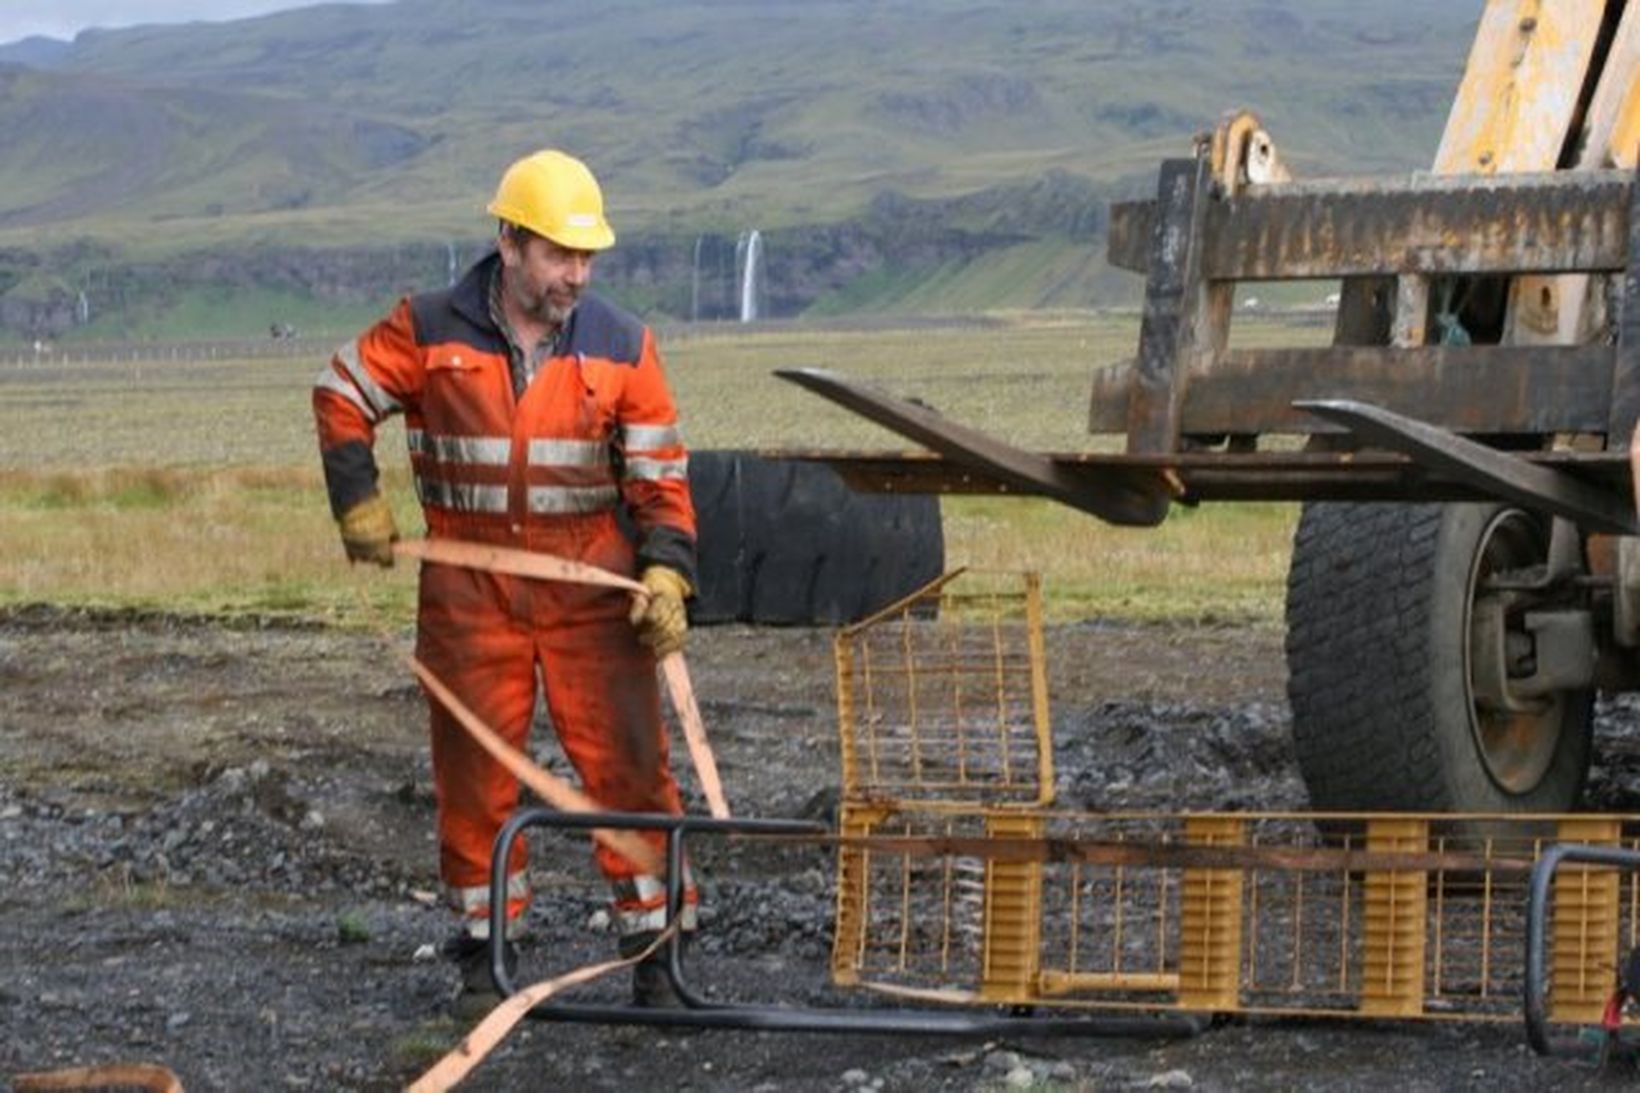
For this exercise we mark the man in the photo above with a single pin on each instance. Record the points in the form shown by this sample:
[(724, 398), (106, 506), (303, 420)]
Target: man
[(533, 411)]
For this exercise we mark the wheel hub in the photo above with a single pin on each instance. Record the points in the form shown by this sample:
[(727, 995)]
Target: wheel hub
[(1516, 732)]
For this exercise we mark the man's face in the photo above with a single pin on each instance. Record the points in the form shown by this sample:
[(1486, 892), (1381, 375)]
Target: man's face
[(541, 278)]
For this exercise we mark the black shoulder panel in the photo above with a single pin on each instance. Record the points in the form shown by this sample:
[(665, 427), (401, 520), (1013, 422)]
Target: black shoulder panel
[(600, 329), (460, 313), (440, 322)]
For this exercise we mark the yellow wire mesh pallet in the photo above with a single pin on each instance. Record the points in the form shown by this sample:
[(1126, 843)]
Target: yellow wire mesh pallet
[(958, 881)]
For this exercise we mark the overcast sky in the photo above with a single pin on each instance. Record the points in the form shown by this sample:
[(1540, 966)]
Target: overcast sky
[(66, 18)]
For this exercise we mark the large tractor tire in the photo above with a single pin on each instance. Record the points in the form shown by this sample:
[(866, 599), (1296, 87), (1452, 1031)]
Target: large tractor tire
[(1379, 606), (786, 542)]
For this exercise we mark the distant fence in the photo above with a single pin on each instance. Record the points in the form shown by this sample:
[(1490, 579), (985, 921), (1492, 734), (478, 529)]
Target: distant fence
[(319, 347), (56, 356)]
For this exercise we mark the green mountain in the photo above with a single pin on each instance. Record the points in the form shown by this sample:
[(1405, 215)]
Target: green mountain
[(883, 147)]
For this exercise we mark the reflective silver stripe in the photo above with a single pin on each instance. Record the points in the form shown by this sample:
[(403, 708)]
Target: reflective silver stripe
[(642, 888), (462, 496), (477, 897), (543, 500), (547, 452), (348, 357), (561, 500), (474, 905), (655, 470), (496, 451), (646, 889), (329, 381), (477, 451), (644, 438), (638, 922)]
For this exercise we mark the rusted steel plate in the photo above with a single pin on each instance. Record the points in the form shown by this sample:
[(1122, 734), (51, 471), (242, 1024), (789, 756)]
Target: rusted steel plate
[(1177, 328), (1500, 474), (1551, 222), (1467, 389), (901, 472), (1624, 410), (1216, 476), (1134, 498), (1127, 246)]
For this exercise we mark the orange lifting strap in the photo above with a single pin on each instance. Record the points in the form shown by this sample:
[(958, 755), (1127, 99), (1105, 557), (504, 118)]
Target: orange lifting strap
[(547, 567)]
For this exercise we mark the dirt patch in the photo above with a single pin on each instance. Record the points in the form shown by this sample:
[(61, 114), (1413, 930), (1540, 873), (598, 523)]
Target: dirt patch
[(216, 852)]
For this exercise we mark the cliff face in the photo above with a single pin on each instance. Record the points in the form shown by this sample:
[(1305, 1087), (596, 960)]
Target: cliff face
[(47, 316), (697, 275)]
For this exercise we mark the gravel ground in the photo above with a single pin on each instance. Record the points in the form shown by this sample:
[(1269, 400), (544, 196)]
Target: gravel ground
[(216, 853)]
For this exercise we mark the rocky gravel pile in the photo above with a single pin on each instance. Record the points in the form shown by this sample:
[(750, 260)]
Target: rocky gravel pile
[(1151, 756), (251, 826)]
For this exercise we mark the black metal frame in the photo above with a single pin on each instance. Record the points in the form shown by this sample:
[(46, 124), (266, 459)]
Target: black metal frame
[(697, 1012), (1537, 908)]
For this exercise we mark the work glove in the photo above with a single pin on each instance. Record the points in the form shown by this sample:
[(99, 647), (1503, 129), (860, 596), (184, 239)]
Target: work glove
[(661, 619), (368, 531)]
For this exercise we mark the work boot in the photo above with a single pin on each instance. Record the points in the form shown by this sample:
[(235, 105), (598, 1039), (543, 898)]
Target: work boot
[(651, 987), (478, 994)]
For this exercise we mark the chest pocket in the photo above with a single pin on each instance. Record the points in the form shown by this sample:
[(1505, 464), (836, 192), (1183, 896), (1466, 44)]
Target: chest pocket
[(465, 391), (573, 396), (600, 390), (445, 361)]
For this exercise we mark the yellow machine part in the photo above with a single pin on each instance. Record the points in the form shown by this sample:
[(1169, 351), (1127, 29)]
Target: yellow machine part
[(943, 712), (1432, 942), (1521, 87), (1518, 109), (943, 696)]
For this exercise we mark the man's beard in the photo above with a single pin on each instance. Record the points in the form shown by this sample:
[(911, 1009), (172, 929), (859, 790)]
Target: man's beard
[(541, 307), (556, 314)]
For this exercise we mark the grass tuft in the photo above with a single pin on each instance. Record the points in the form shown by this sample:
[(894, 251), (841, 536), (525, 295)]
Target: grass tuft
[(427, 1044), (351, 928)]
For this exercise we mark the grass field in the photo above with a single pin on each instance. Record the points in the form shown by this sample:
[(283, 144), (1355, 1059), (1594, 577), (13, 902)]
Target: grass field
[(194, 485)]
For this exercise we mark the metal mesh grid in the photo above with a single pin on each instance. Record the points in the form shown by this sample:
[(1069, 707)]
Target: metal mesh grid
[(925, 916), (943, 718), (1307, 938), (943, 697)]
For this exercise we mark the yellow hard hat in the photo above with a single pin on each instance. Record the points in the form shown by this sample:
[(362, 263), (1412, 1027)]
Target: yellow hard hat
[(554, 195)]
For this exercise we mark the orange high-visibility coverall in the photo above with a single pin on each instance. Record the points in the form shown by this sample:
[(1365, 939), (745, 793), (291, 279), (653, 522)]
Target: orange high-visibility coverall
[(595, 429)]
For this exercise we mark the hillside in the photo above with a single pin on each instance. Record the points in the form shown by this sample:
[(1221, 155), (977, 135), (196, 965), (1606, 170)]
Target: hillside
[(991, 124)]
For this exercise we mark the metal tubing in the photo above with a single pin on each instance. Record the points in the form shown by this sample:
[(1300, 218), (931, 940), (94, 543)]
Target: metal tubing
[(672, 950), (882, 1022), (698, 1013), (675, 826), (1543, 875)]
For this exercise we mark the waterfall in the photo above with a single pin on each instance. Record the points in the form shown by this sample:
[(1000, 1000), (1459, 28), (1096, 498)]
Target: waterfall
[(749, 264), (694, 283), (84, 308), (451, 270)]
